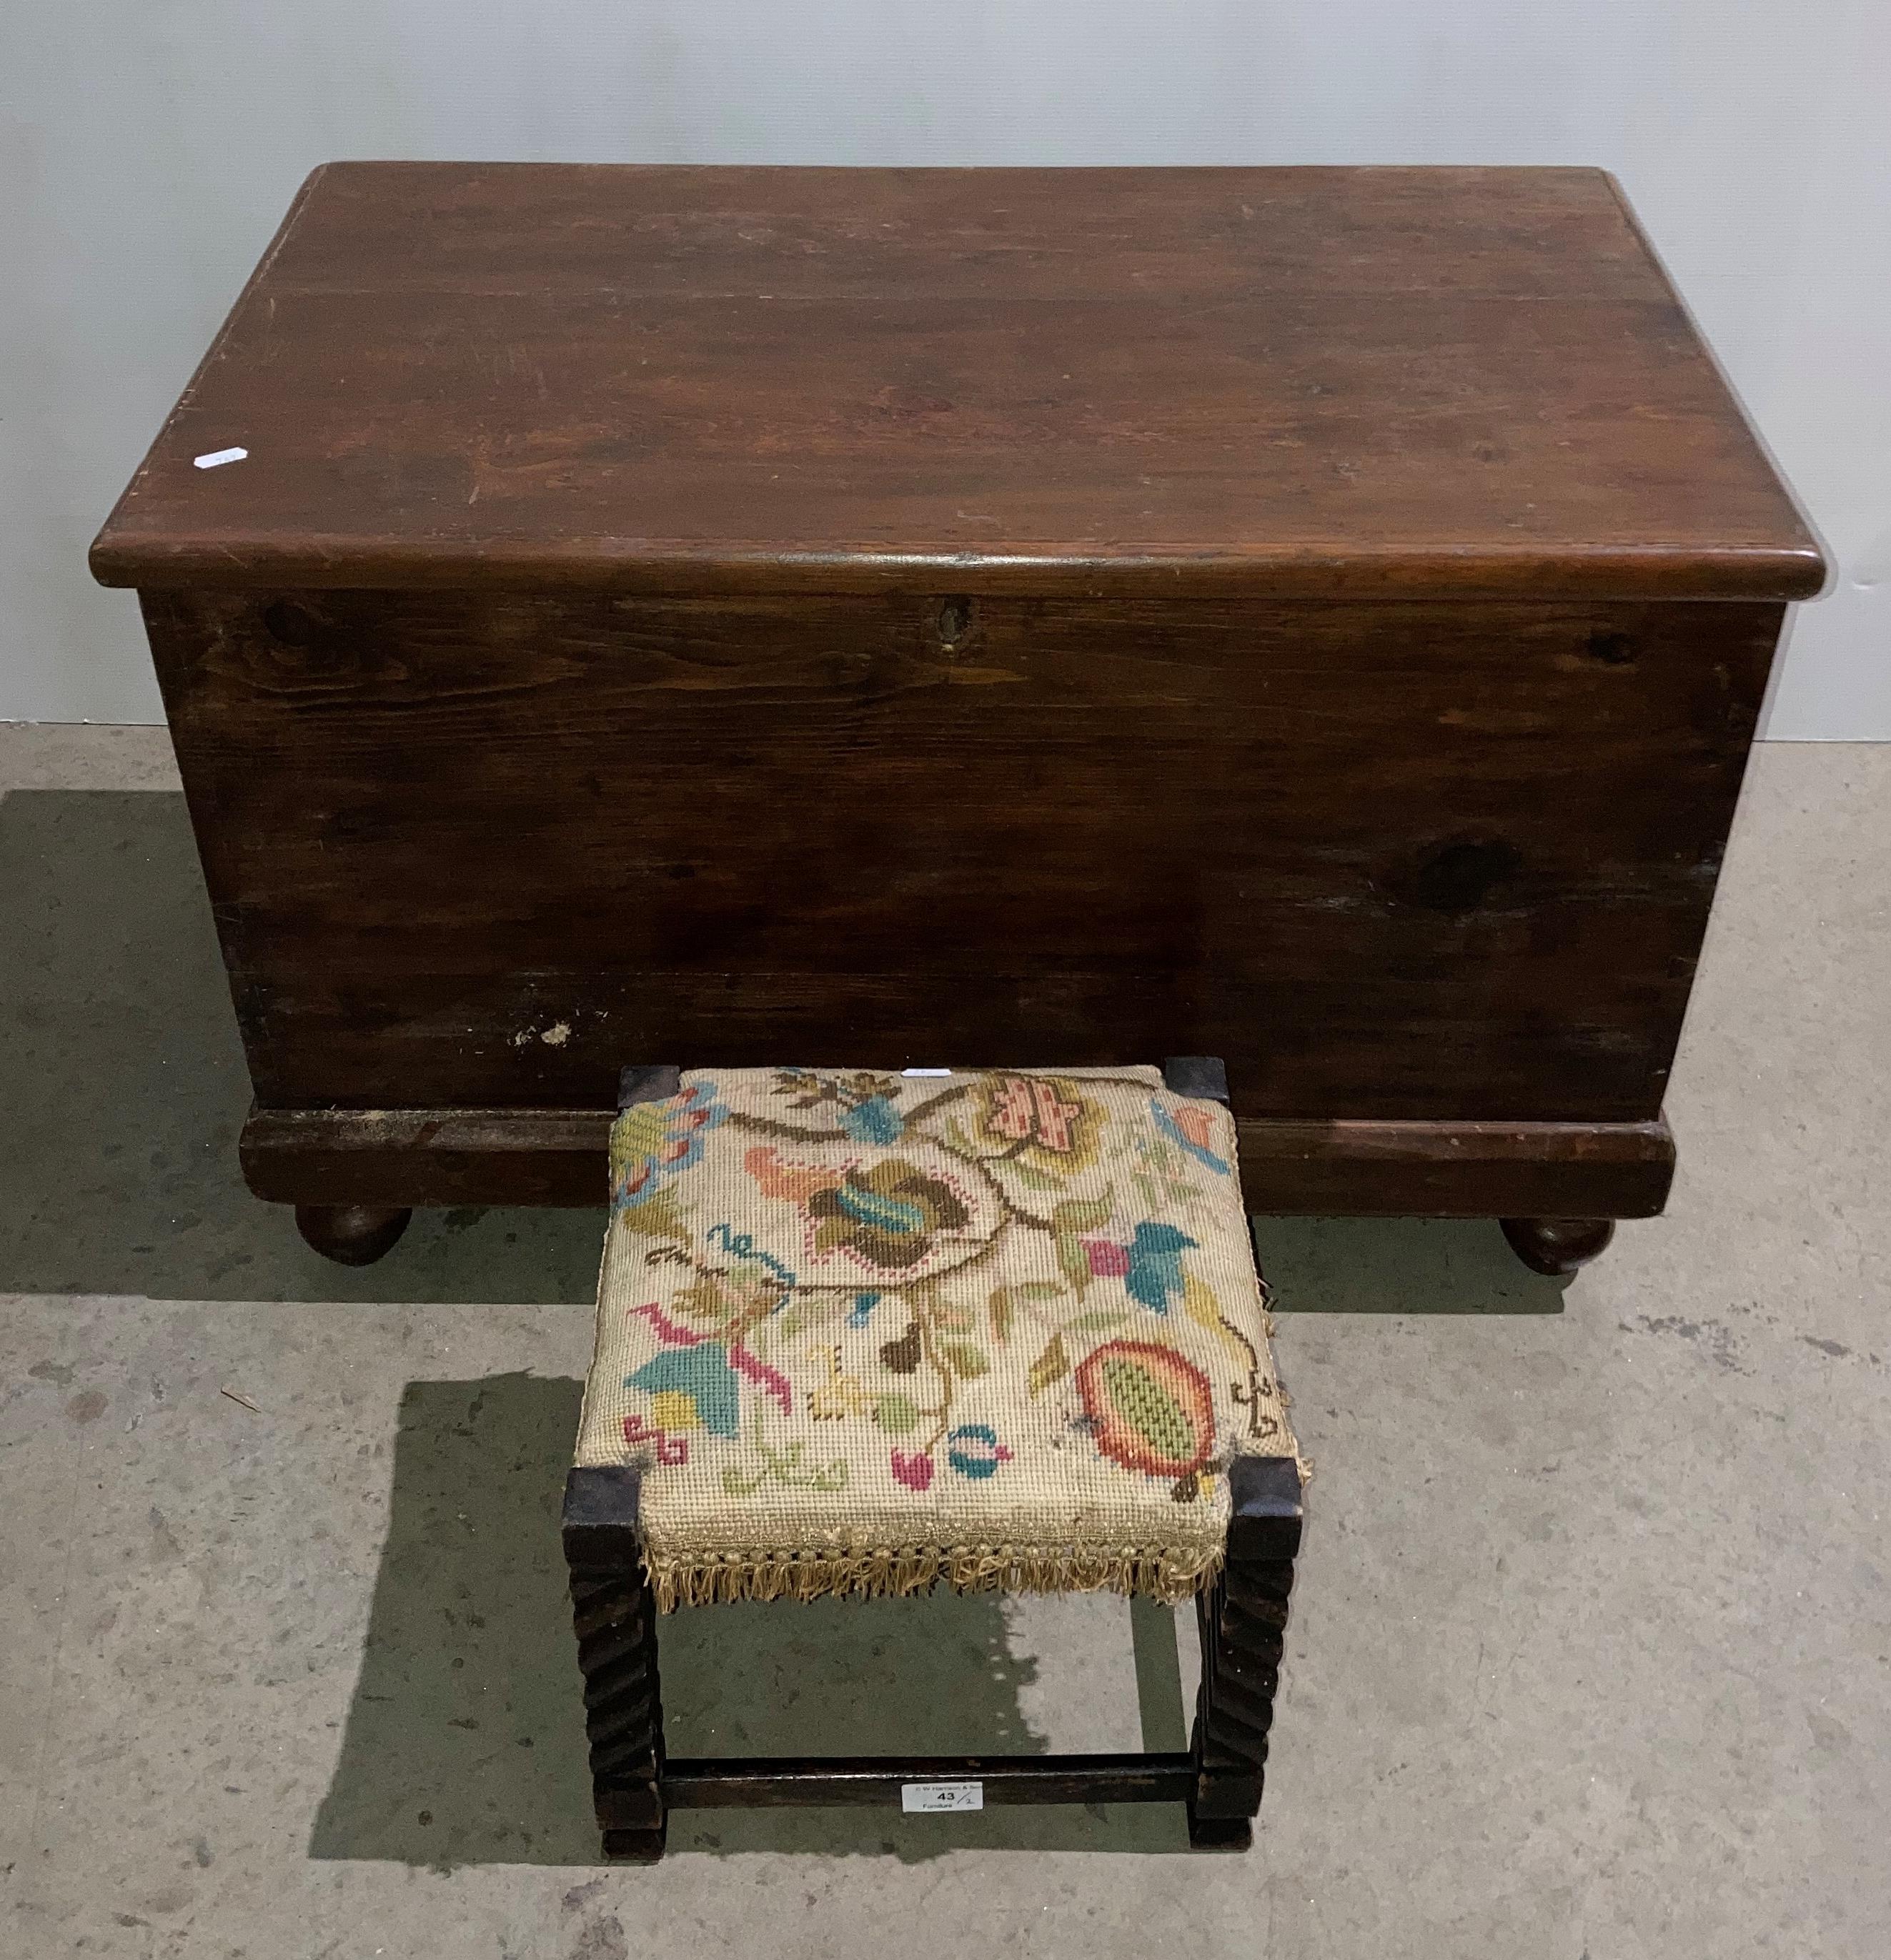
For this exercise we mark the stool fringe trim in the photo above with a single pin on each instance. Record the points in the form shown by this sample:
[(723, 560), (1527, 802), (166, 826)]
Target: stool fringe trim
[(709, 1578)]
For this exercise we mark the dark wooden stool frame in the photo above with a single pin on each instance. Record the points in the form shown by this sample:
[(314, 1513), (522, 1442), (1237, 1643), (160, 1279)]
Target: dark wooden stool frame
[(1242, 1619)]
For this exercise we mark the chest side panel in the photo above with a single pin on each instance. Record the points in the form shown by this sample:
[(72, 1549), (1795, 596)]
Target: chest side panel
[(1401, 861)]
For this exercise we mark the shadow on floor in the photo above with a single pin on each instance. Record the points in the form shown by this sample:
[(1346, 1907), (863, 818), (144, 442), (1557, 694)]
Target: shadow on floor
[(465, 1742), (124, 1085)]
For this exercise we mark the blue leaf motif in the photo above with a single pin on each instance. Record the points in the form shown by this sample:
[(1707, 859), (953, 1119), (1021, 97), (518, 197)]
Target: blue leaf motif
[(702, 1373), (876, 1121), (1155, 1264)]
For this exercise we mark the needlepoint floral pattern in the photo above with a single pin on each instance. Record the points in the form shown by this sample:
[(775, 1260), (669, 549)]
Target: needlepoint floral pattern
[(862, 1332)]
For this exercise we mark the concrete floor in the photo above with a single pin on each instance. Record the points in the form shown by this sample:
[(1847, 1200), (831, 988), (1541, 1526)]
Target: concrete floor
[(1589, 1656)]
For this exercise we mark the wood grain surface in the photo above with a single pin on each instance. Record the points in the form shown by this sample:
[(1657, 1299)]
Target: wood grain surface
[(1290, 382), (1392, 862)]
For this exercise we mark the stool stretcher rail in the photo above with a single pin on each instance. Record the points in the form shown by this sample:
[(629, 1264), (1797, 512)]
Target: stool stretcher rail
[(719, 1782)]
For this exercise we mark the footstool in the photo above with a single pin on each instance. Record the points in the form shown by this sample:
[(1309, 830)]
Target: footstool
[(861, 1333)]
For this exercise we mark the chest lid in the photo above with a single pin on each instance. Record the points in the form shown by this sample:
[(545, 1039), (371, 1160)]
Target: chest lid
[(1276, 382)]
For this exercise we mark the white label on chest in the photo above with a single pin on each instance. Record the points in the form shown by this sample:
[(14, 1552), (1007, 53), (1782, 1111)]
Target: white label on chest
[(925, 1071), (216, 458), (942, 1796)]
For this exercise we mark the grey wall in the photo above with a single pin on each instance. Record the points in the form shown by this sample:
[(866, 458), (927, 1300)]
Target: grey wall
[(148, 147)]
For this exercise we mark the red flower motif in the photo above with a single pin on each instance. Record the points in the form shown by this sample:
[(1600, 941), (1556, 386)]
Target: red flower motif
[(1108, 1260), (671, 1450), (1042, 1120)]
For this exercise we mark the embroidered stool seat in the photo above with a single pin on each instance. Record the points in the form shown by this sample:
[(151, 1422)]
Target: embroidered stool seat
[(862, 1333)]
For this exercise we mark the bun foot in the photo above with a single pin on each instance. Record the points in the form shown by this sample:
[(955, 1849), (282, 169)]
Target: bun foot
[(351, 1235), (1555, 1247)]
